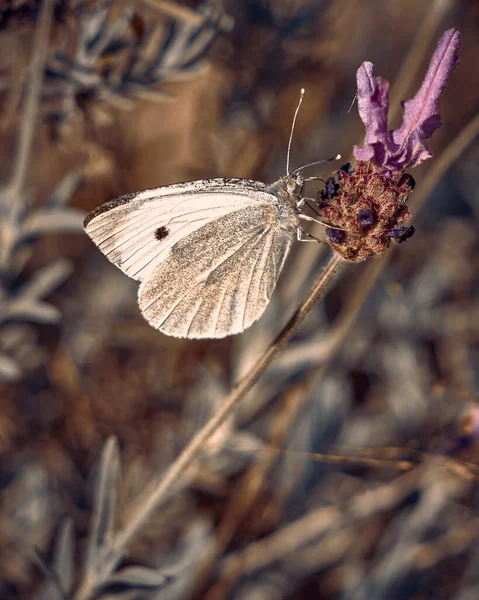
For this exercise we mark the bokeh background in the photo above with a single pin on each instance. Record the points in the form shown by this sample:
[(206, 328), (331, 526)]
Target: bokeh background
[(381, 379)]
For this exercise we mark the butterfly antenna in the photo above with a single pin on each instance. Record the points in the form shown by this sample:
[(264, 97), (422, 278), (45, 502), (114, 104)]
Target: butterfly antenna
[(292, 130), (317, 162)]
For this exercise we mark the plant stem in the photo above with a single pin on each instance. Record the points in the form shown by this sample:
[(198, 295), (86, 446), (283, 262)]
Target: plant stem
[(12, 200), (183, 13), (155, 497), (35, 79)]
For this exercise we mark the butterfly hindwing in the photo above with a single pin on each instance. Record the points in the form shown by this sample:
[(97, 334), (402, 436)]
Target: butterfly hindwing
[(215, 285)]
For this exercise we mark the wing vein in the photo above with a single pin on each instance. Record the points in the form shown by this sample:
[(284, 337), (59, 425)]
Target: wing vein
[(196, 281), (253, 270)]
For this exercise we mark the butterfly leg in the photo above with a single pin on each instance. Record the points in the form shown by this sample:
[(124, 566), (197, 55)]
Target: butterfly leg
[(308, 218), (305, 200), (300, 234)]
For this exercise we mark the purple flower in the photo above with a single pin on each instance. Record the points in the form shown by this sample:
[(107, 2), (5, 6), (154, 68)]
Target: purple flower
[(336, 235), (366, 217), (401, 234), (405, 147), (366, 207)]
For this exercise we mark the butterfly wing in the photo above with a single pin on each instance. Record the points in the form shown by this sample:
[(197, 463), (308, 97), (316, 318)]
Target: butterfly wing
[(218, 279), (208, 253), (136, 232)]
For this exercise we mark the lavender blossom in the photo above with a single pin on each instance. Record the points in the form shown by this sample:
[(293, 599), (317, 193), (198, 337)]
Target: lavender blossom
[(405, 147), (366, 207)]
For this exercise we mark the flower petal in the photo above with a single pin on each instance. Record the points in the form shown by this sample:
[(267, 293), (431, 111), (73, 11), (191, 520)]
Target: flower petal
[(421, 117), (373, 105)]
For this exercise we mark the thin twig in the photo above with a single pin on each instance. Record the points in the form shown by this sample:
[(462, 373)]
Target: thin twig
[(155, 497), (183, 13), (400, 465), (11, 194), (35, 79), (241, 504)]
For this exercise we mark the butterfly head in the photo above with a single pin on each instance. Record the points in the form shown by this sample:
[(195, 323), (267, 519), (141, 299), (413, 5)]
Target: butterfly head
[(294, 184)]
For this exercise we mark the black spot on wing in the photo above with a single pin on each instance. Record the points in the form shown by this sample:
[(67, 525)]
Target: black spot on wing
[(161, 233)]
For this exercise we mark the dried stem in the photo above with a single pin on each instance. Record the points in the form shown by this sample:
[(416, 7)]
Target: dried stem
[(11, 194), (35, 79), (154, 498), (182, 13), (337, 459), (249, 488)]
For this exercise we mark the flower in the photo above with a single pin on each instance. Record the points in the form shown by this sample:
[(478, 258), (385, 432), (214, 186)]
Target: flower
[(365, 207), (366, 211), (405, 147)]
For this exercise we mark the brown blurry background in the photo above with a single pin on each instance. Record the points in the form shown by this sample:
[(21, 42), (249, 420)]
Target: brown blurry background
[(143, 94)]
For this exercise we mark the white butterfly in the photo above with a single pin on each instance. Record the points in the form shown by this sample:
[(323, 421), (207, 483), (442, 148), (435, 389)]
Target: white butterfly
[(207, 253)]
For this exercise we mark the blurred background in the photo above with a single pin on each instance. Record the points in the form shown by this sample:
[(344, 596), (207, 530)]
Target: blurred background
[(381, 379)]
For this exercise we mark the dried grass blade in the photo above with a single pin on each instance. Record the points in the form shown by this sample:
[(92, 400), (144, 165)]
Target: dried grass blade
[(104, 509), (63, 555), (138, 577)]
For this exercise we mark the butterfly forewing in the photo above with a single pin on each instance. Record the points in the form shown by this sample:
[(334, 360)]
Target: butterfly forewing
[(137, 231)]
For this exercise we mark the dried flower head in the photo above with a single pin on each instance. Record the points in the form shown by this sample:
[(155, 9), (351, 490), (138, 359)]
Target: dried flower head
[(366, 207)]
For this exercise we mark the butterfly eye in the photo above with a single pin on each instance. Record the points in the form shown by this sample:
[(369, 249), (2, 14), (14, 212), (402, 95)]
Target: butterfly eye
[(366, 217), (295, 186)]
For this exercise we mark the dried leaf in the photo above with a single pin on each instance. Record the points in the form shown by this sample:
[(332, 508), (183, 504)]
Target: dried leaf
[(64, 190), (9, 370), (52, 221), (46, 279), (63, 555), (138, 577), (28, 309), (59, 574), (104, 509)]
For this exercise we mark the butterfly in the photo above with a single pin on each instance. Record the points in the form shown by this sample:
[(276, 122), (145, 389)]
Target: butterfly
[(207, 253)]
